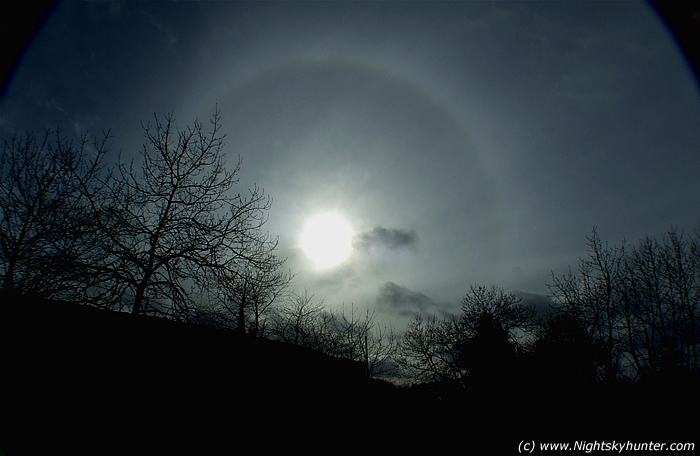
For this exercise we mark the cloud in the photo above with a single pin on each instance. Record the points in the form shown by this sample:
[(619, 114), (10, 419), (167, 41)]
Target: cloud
[(400, 300), (541, 303), (385, 238)]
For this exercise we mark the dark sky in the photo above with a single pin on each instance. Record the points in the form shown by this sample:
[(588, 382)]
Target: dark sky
[(464, 142)]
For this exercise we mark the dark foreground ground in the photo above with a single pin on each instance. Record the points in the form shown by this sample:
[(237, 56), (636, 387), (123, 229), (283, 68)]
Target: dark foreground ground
[(78, 380)]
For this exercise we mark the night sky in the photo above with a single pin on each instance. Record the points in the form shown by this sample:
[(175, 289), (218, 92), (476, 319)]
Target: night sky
[(463, 142)]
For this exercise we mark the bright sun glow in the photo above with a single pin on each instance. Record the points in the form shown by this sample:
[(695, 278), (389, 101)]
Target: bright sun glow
[(327, 240)]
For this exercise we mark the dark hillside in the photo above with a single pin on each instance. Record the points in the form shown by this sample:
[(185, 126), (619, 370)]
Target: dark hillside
[(50, 336), (82, 380), (65, 366)]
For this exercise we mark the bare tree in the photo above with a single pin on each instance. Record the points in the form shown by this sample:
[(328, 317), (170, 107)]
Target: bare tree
[(43, 238), (307, 321), (661, 304), (505, 309), (173, 221), (593, 298), (429, 350), (641, 305), (357, 337), (453, 348), (244, 300), (298, 322)]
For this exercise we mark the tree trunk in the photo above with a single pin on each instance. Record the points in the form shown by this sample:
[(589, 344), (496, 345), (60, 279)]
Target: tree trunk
[(9, 283), (240, 325), (138, 301)]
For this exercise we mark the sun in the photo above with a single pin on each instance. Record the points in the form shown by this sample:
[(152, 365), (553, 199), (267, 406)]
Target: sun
[(327, 240)]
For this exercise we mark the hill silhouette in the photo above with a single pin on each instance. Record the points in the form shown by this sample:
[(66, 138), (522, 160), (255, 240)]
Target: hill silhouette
[(85, 380), (66, 367)]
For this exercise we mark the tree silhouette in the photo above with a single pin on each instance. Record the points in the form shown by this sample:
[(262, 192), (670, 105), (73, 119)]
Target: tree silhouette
[(44, 238), (429, 350), (297, 322), (565, 353), (306, 321), (243, 301), (504, 309), (592, 299), (640, 305), (358, 338), (482, 339), (172, 222), (489, 354), (660, 305)]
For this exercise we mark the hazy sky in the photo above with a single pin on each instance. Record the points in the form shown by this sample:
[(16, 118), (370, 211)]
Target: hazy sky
[(464, 142)]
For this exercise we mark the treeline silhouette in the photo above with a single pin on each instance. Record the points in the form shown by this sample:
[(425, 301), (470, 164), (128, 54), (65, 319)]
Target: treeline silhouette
[(620, 340), (151, 286), (626, 315)]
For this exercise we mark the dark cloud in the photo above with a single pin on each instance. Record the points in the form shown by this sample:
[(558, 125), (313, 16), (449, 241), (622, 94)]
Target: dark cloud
[(386, 238), (400, 300)]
